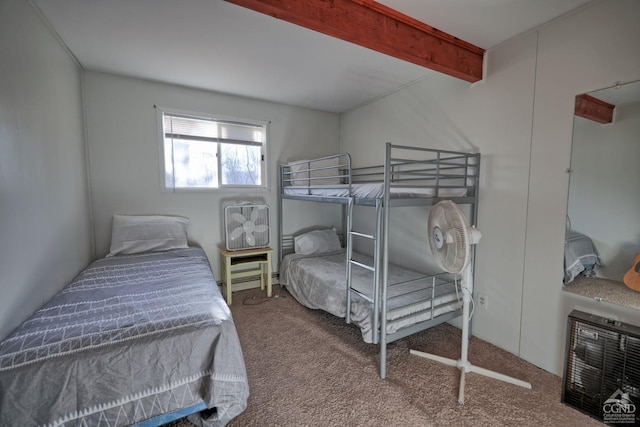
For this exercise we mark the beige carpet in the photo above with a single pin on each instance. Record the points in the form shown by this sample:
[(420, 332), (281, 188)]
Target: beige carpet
[(308, 368)]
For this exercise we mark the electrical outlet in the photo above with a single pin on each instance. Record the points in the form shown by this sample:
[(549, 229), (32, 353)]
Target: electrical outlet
[(483, 300)]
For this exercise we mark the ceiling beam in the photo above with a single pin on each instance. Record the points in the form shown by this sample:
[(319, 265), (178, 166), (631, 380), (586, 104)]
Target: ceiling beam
[(594, 109), (378, 27)]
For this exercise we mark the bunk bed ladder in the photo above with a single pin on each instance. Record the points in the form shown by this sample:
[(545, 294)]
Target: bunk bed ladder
[(375, 268), (349, 256)]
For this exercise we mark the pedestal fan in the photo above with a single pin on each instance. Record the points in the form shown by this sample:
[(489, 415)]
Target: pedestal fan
[(451, 240)]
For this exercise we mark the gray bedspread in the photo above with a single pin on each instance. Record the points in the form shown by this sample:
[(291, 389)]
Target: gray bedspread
[(130, 338), (319, 282)]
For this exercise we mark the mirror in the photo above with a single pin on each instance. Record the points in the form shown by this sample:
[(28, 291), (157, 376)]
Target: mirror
[(603, 213)]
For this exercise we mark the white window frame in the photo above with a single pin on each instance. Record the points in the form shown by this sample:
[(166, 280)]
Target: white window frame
[(161, 111)]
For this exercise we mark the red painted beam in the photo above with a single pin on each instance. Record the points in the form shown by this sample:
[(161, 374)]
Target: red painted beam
[(378, 27), (594, 109)]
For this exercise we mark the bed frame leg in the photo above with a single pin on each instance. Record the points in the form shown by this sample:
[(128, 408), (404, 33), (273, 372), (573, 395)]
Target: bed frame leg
[(383, 361)]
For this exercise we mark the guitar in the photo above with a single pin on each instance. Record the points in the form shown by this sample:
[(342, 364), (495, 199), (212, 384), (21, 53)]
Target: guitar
[(632, 276)]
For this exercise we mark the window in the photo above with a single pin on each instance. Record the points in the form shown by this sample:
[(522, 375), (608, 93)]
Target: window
[(204, 152)]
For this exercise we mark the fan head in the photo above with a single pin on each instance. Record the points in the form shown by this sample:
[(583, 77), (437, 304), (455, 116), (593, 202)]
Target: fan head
[(451, 237), (246, 226)]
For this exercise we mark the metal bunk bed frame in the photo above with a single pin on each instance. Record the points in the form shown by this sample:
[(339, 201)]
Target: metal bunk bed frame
[(446, 166)]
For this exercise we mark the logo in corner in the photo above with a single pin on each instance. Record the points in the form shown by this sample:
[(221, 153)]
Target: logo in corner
[(619, 408)]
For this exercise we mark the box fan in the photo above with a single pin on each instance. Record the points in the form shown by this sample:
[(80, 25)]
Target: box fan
[(602, 368), (246, 226)]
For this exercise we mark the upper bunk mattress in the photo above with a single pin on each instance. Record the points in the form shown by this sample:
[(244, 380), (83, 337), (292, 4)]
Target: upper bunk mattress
[(373, 190), (132, 337)]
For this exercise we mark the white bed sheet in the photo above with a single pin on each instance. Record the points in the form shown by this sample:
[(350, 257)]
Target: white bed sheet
[(319, 282), (373, 190)]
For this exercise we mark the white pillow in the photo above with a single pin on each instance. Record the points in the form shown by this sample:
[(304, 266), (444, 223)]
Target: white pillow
[(317, 241), (301, 178), (132, 234)]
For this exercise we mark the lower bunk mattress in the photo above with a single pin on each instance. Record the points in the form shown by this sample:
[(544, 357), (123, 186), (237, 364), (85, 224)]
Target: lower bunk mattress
[(319, 282), (132, 337)]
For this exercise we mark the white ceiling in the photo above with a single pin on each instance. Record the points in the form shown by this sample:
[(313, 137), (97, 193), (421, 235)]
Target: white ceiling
[(214, 45)]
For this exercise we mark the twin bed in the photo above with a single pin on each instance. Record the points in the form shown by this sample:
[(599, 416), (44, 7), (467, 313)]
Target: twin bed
[(386, 301), (141, 337)]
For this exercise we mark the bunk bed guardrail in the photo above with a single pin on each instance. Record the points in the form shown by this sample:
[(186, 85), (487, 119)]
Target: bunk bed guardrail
[(438, 173)]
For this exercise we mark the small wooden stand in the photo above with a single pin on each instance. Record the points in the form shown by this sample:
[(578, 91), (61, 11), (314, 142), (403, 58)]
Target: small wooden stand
[(259, 262)]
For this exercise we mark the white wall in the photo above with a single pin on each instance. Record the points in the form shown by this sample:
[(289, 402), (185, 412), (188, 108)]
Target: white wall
[(603, 201), (520, 118), (587, 51), (124, 156), (45, 228)]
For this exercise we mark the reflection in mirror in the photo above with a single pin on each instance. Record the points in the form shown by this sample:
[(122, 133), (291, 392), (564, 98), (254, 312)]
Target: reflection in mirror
[(603, 213)]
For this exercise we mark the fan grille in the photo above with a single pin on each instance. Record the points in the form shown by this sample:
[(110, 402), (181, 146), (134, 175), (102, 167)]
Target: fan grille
[(452, 253), (246, 226)]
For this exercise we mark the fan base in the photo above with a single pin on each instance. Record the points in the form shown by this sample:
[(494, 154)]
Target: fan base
[(465, 367)]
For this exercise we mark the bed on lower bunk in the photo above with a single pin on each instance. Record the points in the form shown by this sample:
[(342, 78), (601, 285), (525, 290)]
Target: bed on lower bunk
[(385, 300), (142, 337), (318, 282), (581, 257)]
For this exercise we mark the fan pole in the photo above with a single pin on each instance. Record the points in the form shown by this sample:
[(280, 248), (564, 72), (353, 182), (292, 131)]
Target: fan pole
[(463, 363)]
